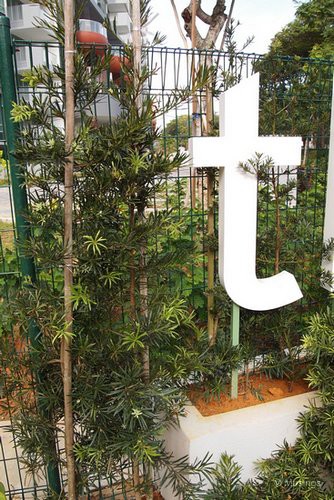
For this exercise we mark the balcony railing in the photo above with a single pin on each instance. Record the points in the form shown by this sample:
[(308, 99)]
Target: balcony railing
[(118, 6), (15, 14), (24, 21), (95, 26)]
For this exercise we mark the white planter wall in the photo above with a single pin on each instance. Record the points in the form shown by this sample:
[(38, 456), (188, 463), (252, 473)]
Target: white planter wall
[(249, 433)]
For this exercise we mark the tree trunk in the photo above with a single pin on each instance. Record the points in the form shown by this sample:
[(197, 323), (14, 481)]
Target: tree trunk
[(137, 46), (143, 291), (278, 222), (136, 479), (68, 246), (212, 323), (215, 23), (196, 123), (132, 270)]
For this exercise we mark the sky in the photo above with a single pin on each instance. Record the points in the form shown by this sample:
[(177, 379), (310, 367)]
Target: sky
[(261, 18)]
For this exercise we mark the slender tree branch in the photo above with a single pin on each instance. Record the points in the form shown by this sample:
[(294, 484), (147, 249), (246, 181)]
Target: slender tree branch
[(203, 16), (137, 47), (187, 17), (136, 479), (178, 24), (227, 25), (278, 221), (218, 20), (68, 247), (143, 281)]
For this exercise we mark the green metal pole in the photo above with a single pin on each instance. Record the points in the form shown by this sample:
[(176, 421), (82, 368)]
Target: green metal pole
[(11, 134), (7, 79), (235, 332)]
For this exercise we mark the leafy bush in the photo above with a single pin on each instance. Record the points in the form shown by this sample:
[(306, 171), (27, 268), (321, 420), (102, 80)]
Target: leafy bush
[(130, 332)]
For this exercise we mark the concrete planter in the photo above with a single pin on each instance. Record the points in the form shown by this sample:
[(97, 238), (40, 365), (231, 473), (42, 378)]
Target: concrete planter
[(249, 433)]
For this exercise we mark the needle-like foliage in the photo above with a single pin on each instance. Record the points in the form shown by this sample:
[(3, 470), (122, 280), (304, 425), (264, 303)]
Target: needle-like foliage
[(120, 416)]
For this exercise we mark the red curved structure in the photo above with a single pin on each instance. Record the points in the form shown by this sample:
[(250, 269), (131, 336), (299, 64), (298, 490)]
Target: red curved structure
[(91, 40), (116, 63)]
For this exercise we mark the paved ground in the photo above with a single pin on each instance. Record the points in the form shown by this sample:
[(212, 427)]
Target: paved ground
[(5, 213)]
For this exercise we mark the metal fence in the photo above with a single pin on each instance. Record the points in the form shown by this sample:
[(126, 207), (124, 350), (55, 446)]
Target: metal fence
[(295, 97)]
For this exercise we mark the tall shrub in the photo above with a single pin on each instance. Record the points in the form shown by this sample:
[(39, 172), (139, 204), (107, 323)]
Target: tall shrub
[(120, 410)]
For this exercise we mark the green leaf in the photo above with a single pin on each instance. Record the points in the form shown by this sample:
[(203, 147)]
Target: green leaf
[(2, 492)]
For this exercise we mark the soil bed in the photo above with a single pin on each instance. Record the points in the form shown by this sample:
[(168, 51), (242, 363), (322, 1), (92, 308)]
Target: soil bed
[(4, 413), (269, 389)]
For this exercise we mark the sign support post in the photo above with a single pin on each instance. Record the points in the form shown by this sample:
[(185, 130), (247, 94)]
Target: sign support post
[(235, 331)]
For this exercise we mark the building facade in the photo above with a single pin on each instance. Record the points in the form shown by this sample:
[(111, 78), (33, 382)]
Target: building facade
[(24, 20), (23, 15)]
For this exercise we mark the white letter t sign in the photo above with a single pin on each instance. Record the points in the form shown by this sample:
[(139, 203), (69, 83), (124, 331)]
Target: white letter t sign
[(239, 126)]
